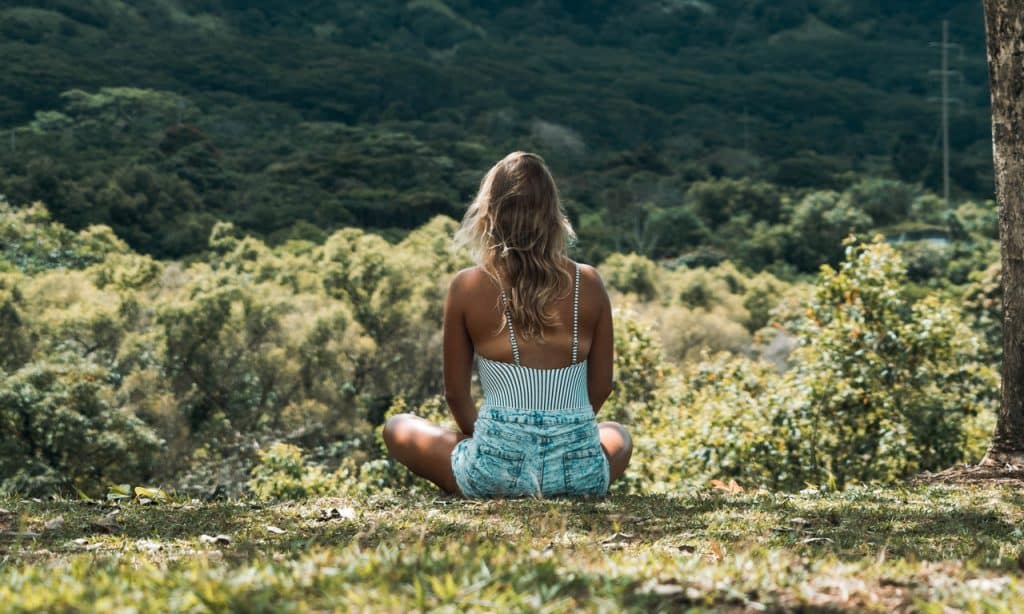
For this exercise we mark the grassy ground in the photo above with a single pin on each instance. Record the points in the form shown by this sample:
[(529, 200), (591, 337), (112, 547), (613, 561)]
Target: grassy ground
[(920, 548)]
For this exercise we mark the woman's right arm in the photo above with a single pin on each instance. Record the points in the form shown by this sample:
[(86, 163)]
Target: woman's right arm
[(601, 359), (458, 357)]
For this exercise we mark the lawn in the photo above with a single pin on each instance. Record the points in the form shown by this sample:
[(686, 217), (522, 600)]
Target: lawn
[(913, 548)]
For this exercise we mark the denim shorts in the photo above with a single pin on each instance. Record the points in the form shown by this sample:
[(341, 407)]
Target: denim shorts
[(538, 453)]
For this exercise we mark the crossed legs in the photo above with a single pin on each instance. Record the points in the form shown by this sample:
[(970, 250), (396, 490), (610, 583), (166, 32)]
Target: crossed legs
[(426, 448)]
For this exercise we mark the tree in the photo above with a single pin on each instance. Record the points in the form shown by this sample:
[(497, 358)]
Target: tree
[(1004, 25)]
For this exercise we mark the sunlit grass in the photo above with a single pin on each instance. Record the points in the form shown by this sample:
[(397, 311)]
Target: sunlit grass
[(873, 549)]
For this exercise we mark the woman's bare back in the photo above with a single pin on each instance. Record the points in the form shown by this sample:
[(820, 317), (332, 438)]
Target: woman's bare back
[(481, 305)]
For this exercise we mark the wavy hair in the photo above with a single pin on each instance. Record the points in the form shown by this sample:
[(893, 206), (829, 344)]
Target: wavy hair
[(516, 225)]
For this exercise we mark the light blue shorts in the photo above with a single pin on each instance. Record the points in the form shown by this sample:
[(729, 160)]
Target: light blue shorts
[(538, 453)]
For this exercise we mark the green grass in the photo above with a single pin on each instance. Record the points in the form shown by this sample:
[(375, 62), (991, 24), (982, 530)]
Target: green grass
[(918, 548)]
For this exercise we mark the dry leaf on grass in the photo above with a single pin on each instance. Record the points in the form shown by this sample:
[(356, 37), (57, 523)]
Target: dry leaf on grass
[(731, 488), (717, 550)]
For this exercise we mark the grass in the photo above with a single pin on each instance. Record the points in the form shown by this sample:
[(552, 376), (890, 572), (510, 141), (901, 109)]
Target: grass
[(917, 548)]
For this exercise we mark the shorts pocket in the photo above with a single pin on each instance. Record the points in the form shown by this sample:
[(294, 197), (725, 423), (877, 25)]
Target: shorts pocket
[(586, 471), (495, 471)]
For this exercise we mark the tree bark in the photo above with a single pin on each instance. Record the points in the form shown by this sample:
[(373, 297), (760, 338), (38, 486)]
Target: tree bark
[(1004, 25)]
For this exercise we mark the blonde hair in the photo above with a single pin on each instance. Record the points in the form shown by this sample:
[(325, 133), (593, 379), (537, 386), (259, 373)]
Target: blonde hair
[(516, 225)]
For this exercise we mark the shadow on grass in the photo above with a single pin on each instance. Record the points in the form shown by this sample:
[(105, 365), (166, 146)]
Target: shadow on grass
[(933, 526), (930, 524)]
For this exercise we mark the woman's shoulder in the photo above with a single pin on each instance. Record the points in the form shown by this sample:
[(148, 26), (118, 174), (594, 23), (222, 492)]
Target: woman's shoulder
[(473, 276), (469, 277), (471, 284)]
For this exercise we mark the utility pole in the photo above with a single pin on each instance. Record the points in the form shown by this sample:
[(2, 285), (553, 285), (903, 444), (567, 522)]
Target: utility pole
[(945, 74)]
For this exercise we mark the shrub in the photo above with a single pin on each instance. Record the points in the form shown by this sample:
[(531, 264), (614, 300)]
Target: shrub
[(631, 273), (283, 473), (60, 430), (882, 388)]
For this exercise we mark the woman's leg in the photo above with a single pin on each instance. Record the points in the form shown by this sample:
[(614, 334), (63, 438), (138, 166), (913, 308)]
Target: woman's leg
[(618, 446), (423, 447)]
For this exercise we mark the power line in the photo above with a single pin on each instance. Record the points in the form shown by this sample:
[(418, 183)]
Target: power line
[(945, 74)]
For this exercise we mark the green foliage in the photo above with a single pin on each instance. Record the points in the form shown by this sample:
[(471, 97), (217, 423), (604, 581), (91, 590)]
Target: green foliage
[(631, 273), (283, 473), (61, 430), (891, 383), (819, 223), (983, 304), (885, 201), (181, 373), (720, 201), (882, 387), (32, 242), (639, 369), (696, 148)]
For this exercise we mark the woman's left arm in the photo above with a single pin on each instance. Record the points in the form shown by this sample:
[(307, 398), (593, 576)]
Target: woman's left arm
[(458, 357)]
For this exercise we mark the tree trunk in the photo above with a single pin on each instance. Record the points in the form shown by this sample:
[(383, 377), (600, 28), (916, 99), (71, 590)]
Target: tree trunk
[(1004, 25)]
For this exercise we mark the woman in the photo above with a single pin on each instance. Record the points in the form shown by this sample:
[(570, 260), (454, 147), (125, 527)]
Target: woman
[(540, 326)]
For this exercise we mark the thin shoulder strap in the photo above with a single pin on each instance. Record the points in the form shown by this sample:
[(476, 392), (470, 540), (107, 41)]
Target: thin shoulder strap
[(576, 317), (511, 333)]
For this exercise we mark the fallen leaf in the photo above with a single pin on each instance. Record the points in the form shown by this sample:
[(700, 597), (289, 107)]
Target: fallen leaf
[(4, 512), (275, 530), (116, 492), (54, 524), (150, 494), (816, 540), (732, 487), (81, 541), (149, 545), (215, 539), (717, 550)]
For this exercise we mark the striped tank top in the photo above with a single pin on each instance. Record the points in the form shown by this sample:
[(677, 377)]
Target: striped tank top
[(513, 386)]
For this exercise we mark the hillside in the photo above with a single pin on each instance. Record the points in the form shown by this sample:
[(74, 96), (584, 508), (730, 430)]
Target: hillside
[(159, 118)]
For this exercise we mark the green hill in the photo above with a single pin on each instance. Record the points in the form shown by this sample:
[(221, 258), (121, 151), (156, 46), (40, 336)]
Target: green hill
[(160, 117)]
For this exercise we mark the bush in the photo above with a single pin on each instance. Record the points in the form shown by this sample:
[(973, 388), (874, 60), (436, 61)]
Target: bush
[(60, 430), (632, 273), (282, 473), (882, 388)]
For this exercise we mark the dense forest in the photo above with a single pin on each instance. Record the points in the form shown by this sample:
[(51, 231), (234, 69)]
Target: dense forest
[(678, 129)]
